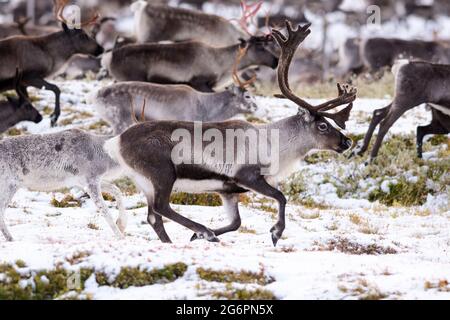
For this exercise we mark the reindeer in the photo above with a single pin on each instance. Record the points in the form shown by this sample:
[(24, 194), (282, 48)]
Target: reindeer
[(148, 154), (193, 63), (415, 83), (16, 110), (40, 57), (173, 102), (154, 23), (377, 53), (67, 159)]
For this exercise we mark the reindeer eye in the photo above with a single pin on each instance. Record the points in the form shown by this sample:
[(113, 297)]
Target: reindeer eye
[(323, 127)]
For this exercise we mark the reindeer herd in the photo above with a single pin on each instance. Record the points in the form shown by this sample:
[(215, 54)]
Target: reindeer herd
[(180, 67)]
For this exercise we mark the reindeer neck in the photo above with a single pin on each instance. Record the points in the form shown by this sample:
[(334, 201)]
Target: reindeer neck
[(295, 139), (217, 106)]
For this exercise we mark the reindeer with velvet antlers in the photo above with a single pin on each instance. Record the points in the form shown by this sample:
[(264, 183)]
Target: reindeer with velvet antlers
[(146, 153)]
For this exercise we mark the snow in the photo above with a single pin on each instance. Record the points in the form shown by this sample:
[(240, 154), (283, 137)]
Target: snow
[(303, 265)]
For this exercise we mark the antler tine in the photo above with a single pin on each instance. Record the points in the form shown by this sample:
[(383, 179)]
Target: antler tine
[(133, 114), (60, 5), (249, 11), (143, 111), (346, 95), (288, 47), (241, 53)]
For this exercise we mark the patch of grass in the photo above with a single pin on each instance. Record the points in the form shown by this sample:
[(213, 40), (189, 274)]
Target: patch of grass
[(255, 120), (441, 285), (244, 294), (228, 276), (364, 291), (101, 124), (198, 199), (354, 248), (108, 197), (403, 193), (126, 186), (246, 230), (93, 226), (135, 277), (67, 202), (37, 285), (15, 132), (26, 284)]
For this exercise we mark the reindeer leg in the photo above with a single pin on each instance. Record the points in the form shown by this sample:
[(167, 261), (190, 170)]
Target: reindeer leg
[(40, 83), (162, 207), (393, 115), (378, 116), (117, 194), (433, 128), (95, 194), (230, 203), (259, 184), (5, 198), (155, 220)]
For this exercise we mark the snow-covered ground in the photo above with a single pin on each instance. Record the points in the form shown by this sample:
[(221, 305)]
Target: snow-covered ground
[(348, 249)]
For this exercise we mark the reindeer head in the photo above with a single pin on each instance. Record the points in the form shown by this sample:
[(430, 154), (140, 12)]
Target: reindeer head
[(243, 100), (314, 118), (259, 51), (23, 106), (79, 38)]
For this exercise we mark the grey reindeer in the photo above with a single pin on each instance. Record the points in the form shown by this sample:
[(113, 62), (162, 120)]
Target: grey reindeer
[(416, 83), (156, 22), (39, 57), (172, 102), (145, 152), (16, 110), (196, 64), (49, 162)]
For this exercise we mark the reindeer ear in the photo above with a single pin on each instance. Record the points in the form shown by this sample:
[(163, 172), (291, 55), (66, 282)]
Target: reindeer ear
[(341, 117)]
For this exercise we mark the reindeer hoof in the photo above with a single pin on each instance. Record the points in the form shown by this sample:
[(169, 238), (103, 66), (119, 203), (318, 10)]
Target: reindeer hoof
[(208, 236), (275, 240), (53, 120)]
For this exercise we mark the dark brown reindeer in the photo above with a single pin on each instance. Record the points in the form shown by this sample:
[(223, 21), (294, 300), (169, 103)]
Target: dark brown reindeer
[(416, 83), (201, 66), (42, 56), (145, 152), (16, 110)]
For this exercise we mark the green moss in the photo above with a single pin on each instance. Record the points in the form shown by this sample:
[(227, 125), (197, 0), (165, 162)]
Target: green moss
[(53, 284), (135, 277), (244, 294), (67, 202), (201, 199), (37, 285), (403, 193), (227, 276)]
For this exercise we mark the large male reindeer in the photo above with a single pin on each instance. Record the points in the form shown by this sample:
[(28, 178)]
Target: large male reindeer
[(415, 83), (156, 22), (173, 102), (145, 151), (16, 110), (196, 64), (42, 56)]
